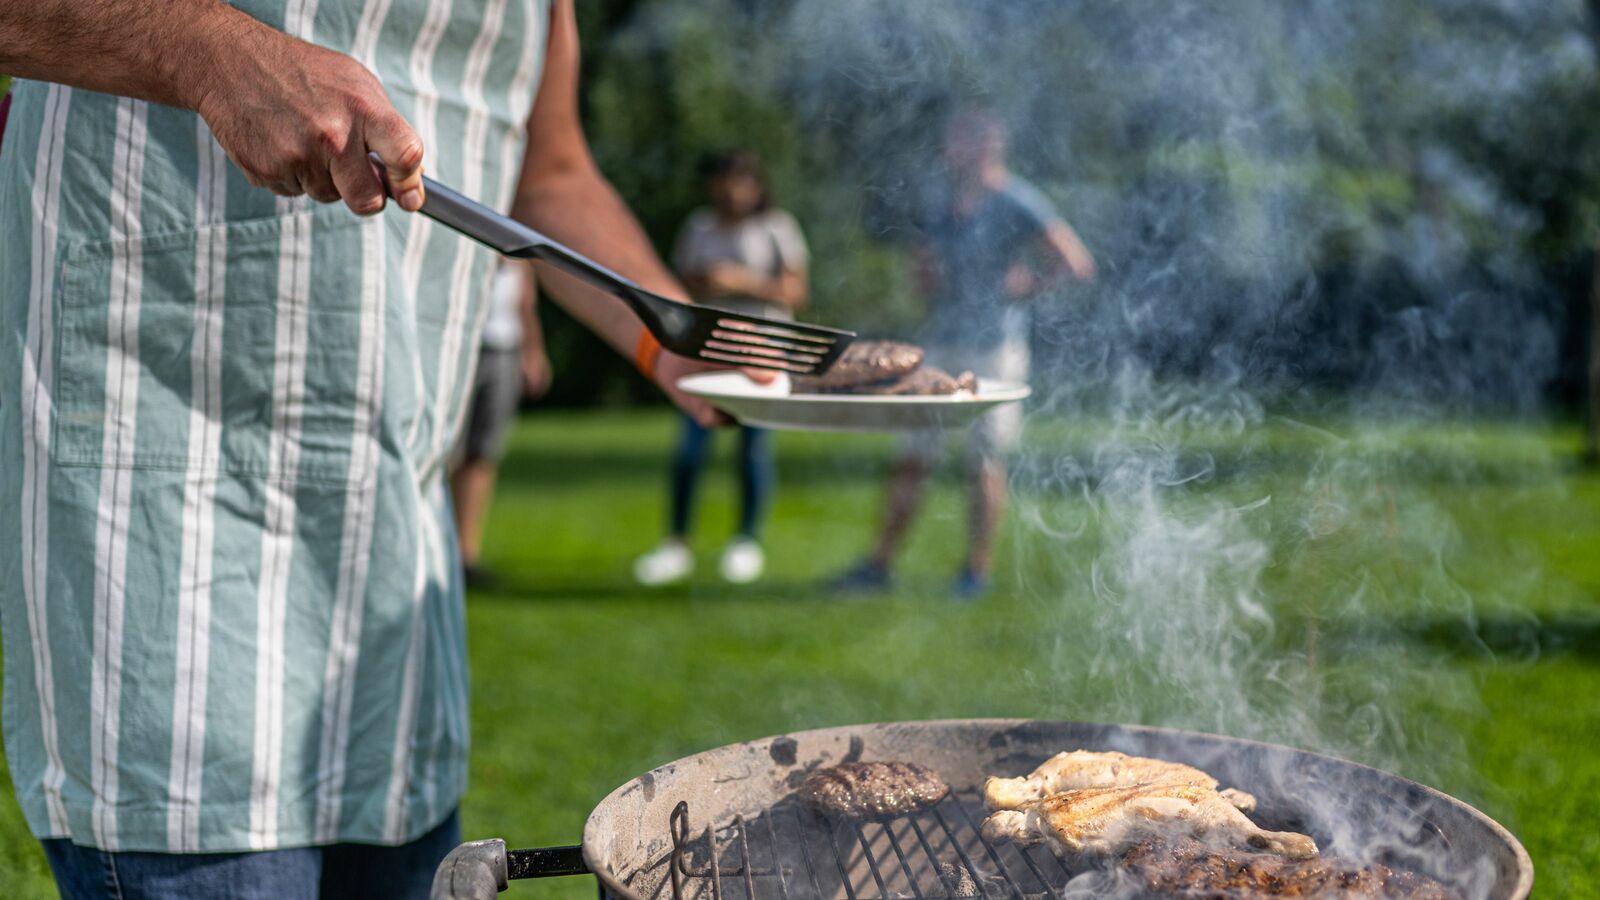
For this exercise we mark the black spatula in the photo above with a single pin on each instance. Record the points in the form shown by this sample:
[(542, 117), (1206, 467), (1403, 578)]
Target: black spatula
[(687, 329)]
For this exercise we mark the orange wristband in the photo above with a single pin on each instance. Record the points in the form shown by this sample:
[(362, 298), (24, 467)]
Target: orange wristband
[(646, 352)]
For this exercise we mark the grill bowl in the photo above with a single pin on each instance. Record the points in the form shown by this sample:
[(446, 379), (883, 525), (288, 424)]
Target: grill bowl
[(1353, 811)]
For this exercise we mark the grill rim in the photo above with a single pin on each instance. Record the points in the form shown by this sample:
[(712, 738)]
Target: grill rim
[(601, 817)]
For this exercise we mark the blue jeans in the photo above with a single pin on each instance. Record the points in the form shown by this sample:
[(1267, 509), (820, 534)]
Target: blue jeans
[(755, 476), (336, 871)]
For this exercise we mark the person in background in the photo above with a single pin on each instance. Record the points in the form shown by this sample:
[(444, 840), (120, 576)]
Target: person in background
[(511, 365), (743, 254), (990, 244)]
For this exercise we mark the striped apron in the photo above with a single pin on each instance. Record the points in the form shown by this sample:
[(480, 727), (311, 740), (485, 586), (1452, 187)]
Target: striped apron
[(230, 605)]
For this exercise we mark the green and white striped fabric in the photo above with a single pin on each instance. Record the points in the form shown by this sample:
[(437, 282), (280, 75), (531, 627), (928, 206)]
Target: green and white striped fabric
[(230, 608)]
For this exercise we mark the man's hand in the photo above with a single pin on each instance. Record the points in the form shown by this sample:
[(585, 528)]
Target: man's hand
[(297, 118), (300, 119)]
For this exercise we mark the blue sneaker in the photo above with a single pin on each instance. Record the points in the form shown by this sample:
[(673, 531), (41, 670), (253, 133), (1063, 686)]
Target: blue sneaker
[(862, 578), (969, 585)]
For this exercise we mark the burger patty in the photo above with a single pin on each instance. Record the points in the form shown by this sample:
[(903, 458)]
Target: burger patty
[(872, 790), (863, 362)]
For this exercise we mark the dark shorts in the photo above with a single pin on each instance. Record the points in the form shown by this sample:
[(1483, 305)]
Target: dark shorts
[(496, 391), (304, 873)]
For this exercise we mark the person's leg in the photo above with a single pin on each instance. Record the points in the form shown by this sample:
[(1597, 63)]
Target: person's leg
[(687, 464), (756, 480), (986, 505), (906, 482), (471, 490), (907, 477), (84, 873), (743, 560), (989, 441), (358, 871), (1592, 431), (496, 391), (671, 561)]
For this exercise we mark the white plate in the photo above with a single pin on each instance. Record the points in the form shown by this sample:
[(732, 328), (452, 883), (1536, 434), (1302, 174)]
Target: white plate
[(773, 406)]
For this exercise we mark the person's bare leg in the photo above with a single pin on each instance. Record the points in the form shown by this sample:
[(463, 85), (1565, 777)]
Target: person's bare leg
[(986, 504), (1591, 442), (471, 489), (906, 482)]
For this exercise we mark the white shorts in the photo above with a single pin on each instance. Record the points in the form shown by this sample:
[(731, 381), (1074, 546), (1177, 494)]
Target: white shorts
[(993, 434)]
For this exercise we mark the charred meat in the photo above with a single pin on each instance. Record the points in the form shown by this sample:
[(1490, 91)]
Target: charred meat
[(924, 381), (927, 381), (1190, 868), (872, 790), (887, 368), (862, 363)]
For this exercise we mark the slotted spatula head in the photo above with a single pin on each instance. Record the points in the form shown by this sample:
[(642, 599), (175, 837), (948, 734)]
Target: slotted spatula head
[(724, 336)]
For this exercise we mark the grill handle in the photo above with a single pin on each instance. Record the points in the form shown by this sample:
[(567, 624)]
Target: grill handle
[(478, 870), (546, 862)]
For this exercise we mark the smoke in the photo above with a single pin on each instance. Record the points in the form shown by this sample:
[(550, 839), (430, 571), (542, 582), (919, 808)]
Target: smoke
[(1319, 229)]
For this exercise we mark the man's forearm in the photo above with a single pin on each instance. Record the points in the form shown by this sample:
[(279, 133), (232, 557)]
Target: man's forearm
[(580, 209), (158, 50)]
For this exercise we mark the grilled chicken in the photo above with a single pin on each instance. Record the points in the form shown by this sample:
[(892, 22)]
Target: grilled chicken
[(1100, 821), (872, 790), (1089, 769)]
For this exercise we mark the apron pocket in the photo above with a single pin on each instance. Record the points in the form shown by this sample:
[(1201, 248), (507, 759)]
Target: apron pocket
[(233, 349)]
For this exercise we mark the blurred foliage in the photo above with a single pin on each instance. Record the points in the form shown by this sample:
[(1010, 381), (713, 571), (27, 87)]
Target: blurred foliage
[(1334, 167)]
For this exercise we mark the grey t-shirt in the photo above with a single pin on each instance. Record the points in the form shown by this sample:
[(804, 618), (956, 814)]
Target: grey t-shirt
[(768, 242), (971, 310)]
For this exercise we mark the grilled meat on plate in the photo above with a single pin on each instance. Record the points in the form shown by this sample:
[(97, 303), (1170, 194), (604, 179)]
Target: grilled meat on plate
[(872, 790), (863, 362), (1087, 768), (1101, 821), (888, 368), (927, 381)]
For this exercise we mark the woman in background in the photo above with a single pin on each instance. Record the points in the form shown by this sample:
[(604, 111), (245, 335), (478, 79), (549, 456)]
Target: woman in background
[(743, 254)]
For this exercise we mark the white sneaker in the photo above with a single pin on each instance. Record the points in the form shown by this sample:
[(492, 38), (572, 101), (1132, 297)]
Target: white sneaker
[(743, 561), (666, 564)]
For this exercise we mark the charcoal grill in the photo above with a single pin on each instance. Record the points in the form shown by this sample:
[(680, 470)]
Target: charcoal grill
[(724, 825)]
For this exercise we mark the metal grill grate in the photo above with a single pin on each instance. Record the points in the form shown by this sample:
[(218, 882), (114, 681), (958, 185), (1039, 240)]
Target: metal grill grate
[(790, 853)]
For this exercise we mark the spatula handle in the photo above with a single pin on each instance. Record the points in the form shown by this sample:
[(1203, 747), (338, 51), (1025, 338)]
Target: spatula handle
[(476, 221), (512, 238)]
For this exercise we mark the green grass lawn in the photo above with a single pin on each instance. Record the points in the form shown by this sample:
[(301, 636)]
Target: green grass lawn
[(1425, 599)]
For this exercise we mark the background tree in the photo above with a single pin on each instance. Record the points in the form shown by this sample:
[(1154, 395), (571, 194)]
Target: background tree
[(1335, 197)]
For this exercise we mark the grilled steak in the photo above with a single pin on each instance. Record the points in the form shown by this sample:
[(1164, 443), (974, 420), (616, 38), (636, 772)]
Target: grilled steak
[(1189, 868), (863, 362), (872, 790), (927, 381)]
